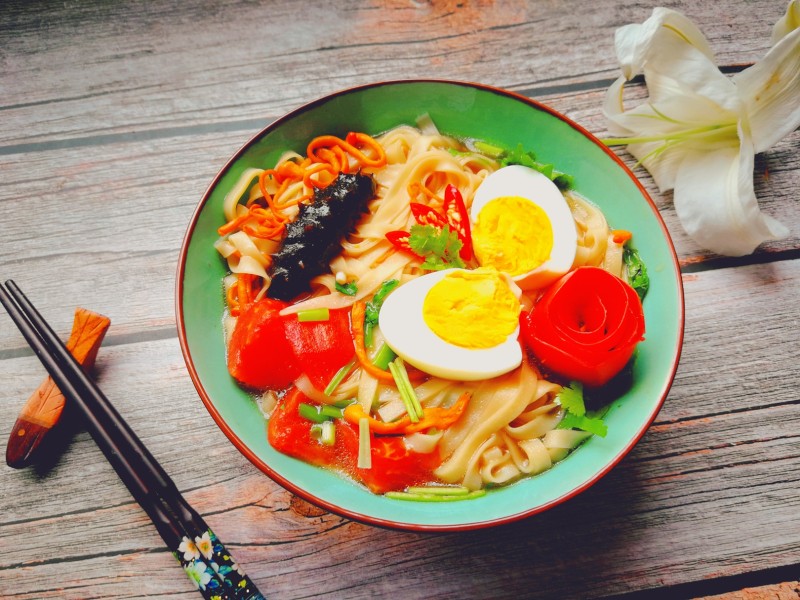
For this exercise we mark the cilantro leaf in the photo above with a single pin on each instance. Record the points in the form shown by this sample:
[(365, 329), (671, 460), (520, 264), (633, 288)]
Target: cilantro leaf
[(575, 417), (348, 289), (637, 272), (571, 399), (519, 156), (593, 425), (439, 247)]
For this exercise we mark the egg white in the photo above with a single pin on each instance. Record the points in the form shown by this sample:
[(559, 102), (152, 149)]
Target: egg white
[(404, 330), (516, 180)]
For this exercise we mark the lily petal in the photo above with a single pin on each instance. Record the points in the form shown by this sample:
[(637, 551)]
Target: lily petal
[(788, 23), (634, 42), (679, 121), (716, 203), (770, 90)]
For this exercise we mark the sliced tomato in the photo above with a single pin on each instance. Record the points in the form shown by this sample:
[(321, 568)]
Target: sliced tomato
[(290, 434), (458, 219), (394, 467), (585, 326), (270, 351), (321, 347), (259, 355)]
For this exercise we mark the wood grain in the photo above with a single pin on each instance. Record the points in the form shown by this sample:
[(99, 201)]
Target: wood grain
[(116, 117)]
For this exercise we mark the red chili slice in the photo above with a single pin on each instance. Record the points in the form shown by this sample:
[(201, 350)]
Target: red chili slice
[(425, 215), (400, 241), (458, 218), (585, 326)]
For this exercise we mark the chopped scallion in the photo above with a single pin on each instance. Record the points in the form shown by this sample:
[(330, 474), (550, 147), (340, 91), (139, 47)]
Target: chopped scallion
[(439, 490), (324, 432), (383, 357), (414, 497), (488, 149), (364, 444), (314, 314), (348, 289), (401, 367), (331, 412), (328, 436), (310, 412), (339, 377), (343, 403), (405, 395)]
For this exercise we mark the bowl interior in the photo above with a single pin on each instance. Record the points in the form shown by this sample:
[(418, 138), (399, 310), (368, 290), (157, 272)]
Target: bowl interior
[(464, 111)]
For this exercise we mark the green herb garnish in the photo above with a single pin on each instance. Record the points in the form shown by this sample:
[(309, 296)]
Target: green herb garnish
[(636, 271), (519, 156), (439, 247), (571, 400), (348, 289)]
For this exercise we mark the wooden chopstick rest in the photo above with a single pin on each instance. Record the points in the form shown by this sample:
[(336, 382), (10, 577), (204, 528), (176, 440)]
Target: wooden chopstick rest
[(44, 408)]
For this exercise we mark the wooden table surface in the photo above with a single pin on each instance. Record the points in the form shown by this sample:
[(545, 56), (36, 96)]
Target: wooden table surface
[(115, 118)]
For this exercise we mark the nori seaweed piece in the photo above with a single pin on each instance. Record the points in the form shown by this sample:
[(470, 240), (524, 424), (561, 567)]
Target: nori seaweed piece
[(314, 237)]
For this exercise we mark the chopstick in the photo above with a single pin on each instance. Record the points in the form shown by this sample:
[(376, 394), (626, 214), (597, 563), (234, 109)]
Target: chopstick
[(206, 561)]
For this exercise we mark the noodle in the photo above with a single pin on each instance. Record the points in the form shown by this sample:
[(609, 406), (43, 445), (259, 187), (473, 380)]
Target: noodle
[(508, 429)]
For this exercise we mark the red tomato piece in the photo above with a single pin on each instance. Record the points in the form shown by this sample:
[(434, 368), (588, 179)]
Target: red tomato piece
[(290, 434), (585, 326), (321, 347), (259, 355), (394, 467)]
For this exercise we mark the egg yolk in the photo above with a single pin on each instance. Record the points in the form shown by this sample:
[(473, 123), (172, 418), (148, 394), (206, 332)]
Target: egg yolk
[(513, 235), (472, 309)]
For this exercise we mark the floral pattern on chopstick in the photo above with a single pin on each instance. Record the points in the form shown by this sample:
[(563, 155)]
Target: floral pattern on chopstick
[(213, 570)]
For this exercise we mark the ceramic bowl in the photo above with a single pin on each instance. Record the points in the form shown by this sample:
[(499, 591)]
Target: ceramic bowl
[(463, 110)]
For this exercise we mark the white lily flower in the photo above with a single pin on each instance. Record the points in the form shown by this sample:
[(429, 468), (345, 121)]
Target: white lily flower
[(699, 130), (788, 23)]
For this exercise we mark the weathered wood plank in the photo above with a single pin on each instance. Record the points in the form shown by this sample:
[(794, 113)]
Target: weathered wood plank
[(263, 59)]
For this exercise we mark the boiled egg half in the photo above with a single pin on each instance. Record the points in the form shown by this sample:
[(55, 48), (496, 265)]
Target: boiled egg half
[(522, 225), (455, 324)]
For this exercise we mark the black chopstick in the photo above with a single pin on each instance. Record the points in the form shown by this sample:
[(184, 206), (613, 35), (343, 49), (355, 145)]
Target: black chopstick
[(206, 561)]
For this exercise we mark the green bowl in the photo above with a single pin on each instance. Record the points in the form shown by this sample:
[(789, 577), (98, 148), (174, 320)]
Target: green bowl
[(463, 110)]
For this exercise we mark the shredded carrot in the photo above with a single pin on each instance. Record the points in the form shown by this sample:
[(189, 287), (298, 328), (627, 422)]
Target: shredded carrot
[(417, 187), (357, 325), (349, 146), (328, 156), (319, 168), (233, 300), (233, 224), (242, 293), (620, 236), (362, 139), (436, 416)]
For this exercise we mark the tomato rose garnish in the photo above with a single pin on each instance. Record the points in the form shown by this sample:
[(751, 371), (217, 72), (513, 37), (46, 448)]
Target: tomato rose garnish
[(585, 326)]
